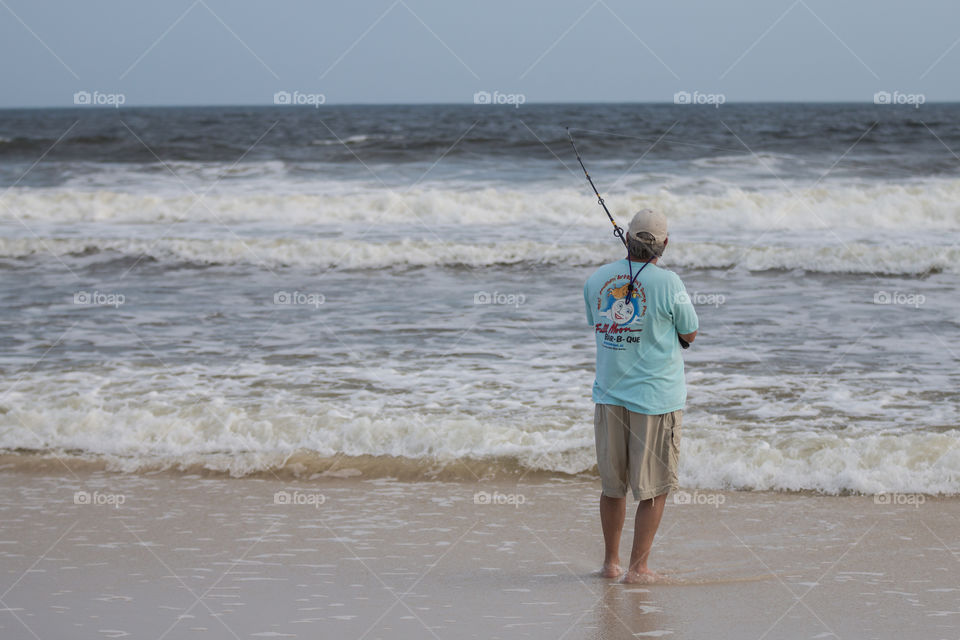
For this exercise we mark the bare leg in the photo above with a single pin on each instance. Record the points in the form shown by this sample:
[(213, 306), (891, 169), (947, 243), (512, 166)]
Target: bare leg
[(649, 513), (612, 513)]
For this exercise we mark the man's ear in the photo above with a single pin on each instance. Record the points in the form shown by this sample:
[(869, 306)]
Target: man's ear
[(666, 241)]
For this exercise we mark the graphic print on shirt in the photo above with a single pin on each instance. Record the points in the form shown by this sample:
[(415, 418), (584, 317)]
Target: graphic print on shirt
[(622, 313)]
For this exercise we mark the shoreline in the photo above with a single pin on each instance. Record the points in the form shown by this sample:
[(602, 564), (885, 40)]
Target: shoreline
[(315, 469)]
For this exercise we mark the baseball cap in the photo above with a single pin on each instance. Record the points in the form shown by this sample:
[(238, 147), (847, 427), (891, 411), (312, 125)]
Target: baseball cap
[(649, 221)]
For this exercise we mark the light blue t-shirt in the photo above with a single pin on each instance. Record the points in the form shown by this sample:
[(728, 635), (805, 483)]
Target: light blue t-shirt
[(639, 365)]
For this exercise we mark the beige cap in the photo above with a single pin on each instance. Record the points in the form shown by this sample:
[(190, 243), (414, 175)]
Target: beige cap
[(649, 221)]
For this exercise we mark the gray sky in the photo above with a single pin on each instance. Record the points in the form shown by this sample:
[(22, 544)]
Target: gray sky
[(180, 52)]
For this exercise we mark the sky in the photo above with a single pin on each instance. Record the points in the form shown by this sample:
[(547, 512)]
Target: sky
[(243, 52)]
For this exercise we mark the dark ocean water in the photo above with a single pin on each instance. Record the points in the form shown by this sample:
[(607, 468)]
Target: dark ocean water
[(903, 142)]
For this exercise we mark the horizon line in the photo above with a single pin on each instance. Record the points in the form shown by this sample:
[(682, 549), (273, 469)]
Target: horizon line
[(463, 104)]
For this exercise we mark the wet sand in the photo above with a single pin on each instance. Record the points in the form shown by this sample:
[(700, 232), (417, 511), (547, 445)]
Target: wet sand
[(168, 555)]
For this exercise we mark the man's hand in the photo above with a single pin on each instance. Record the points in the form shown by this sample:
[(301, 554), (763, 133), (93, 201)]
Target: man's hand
[(688, 337)]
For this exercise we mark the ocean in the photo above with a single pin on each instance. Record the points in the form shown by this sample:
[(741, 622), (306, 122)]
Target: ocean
[(396, 291)]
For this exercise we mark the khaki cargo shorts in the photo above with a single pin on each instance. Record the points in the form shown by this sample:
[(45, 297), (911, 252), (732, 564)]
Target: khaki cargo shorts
[(636, 449)]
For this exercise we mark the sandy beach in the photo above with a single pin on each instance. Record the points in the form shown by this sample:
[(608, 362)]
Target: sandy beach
[(166, 555)]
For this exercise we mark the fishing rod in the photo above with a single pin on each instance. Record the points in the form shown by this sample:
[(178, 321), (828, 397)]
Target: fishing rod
[(617, 230)]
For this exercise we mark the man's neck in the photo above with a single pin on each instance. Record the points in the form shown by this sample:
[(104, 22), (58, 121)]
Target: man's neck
[(653, 261)]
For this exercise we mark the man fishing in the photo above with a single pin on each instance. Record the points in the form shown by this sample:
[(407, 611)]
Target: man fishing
[(641, 315)]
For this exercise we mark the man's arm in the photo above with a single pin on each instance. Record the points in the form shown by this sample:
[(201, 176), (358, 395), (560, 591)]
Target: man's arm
[(684, 316)]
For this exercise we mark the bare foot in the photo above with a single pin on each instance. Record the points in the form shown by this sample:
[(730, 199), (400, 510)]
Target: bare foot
[(644, 576), (612, 570)]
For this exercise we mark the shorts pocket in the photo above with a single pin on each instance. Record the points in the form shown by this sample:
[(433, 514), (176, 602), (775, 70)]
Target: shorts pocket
[(674, 446)]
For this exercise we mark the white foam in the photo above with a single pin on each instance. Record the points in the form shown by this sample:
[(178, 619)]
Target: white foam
[(831, 463), (919, 205), (166, 430), (338, 141), (851, 257)]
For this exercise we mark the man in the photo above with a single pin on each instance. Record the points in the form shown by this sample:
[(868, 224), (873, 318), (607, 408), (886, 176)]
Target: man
[(639, 389)]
